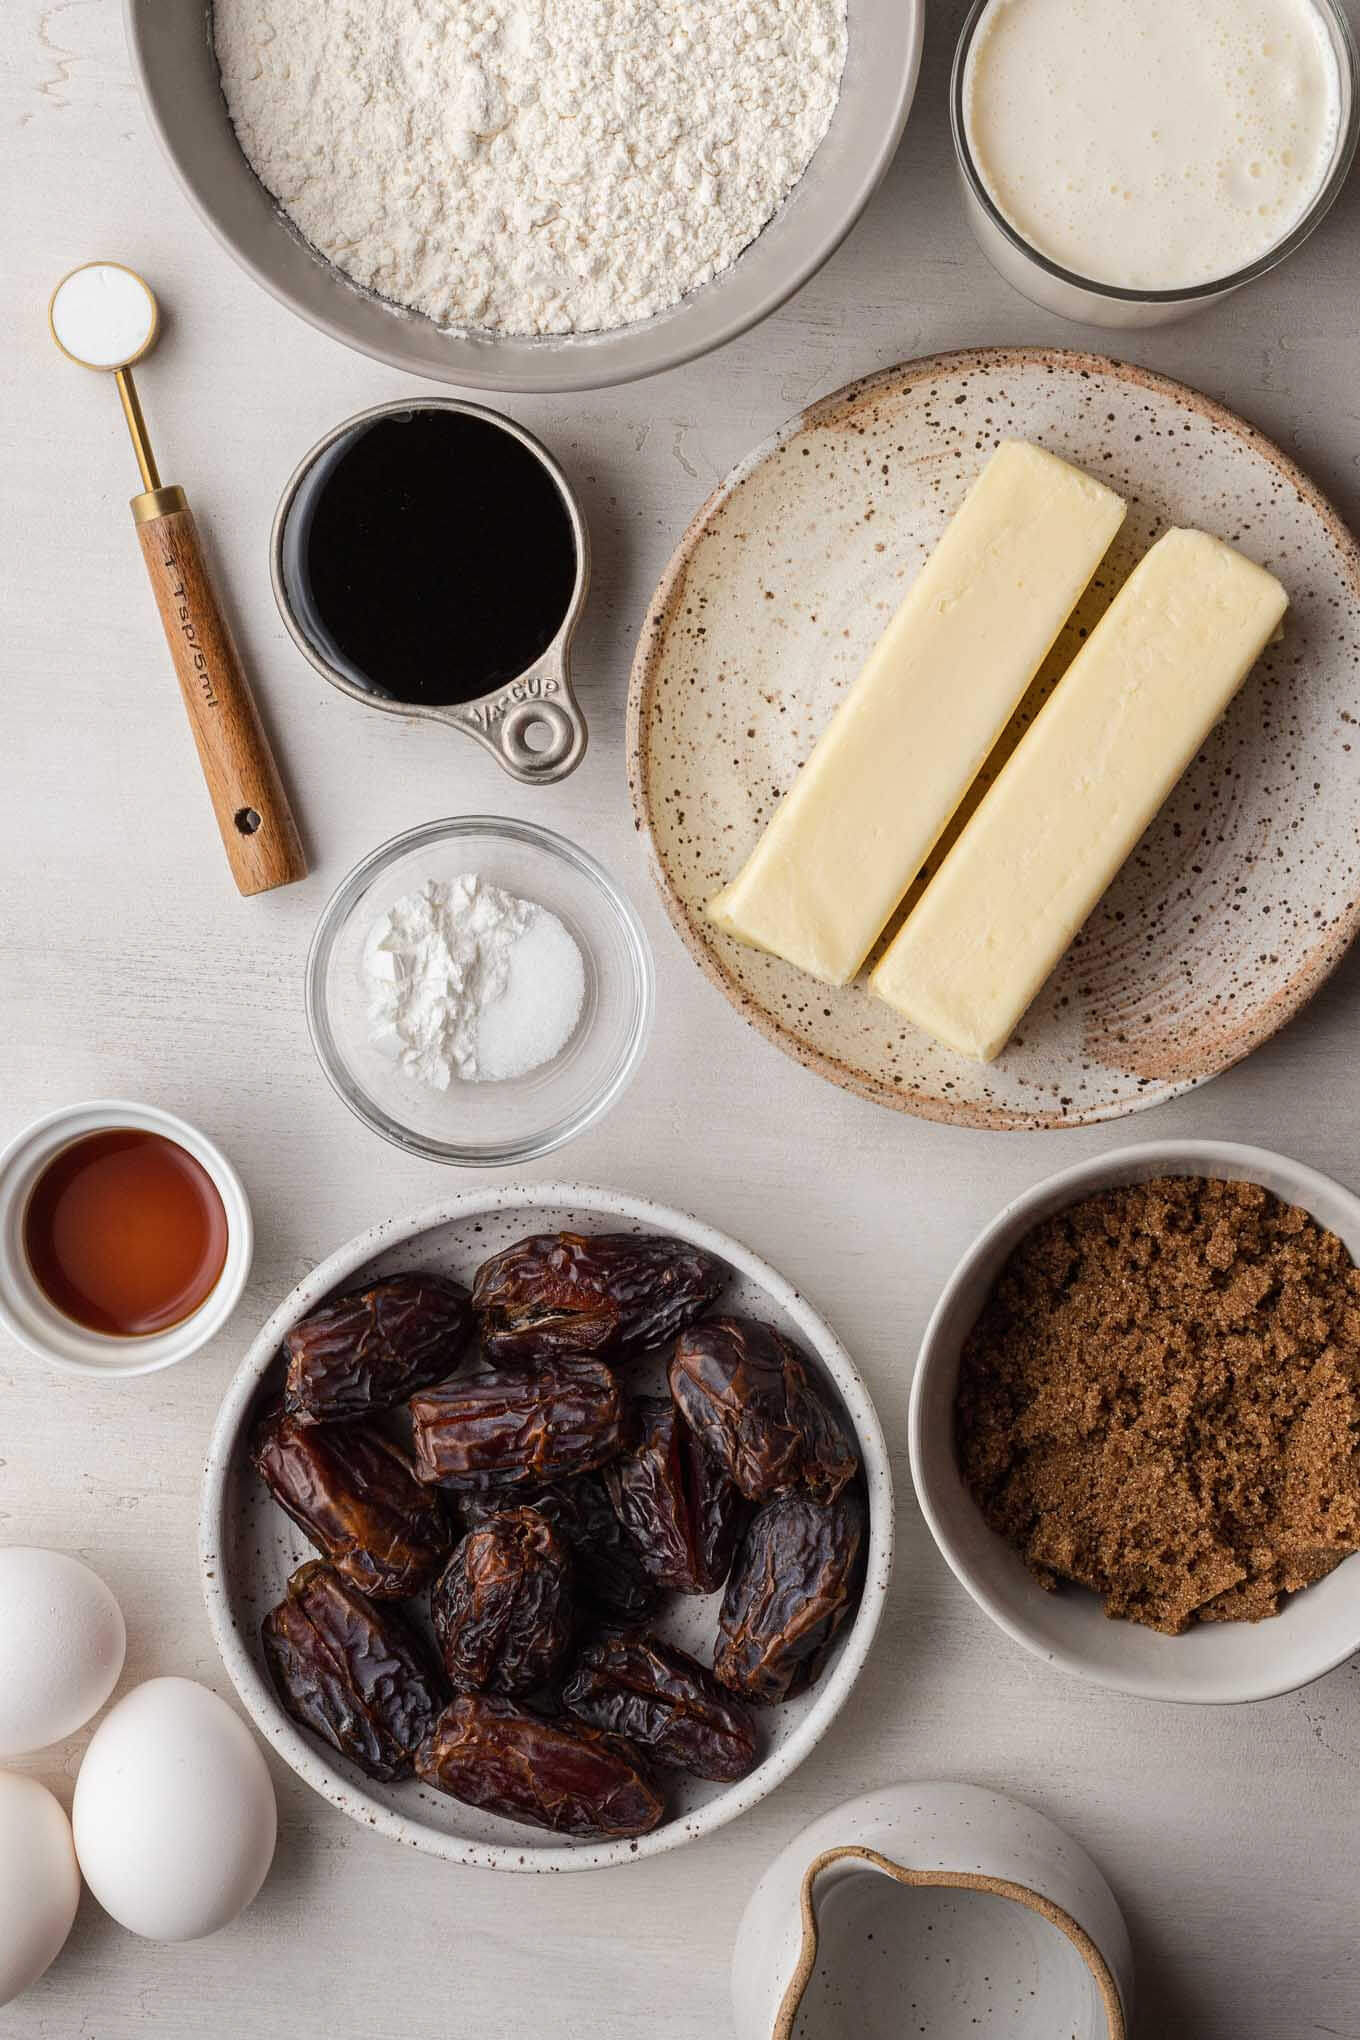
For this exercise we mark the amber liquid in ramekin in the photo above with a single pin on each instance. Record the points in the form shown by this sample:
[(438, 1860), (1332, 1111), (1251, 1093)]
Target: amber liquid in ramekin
[(125, 1232)]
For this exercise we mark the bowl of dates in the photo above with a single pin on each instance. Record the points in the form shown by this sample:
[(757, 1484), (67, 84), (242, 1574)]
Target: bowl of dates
[(545, 1529)]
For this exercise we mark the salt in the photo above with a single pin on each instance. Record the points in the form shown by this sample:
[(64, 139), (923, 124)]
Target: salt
[(468, 981), (538, 1012)]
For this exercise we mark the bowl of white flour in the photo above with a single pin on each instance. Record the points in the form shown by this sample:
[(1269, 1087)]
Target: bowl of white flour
[(529, 194)]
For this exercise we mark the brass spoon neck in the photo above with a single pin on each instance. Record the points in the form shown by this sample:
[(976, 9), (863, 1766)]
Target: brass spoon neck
[(136, 424)]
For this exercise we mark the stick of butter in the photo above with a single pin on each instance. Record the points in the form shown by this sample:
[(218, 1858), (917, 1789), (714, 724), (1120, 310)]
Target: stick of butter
[(912, 734), (1082, 785)]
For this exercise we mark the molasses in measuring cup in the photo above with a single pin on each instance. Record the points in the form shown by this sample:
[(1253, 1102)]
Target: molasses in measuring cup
[(430, 559)]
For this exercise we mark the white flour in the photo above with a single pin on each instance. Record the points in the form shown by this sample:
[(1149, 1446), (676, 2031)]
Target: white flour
[(530, 166), (465, 980)]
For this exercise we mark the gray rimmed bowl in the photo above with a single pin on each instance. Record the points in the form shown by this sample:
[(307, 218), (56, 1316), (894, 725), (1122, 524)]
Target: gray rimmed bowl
[(176, 70), (248, 1547)]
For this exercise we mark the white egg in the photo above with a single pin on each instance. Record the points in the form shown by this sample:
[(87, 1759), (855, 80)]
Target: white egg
[(174, 1812), (62, 1641), (39, 1882)]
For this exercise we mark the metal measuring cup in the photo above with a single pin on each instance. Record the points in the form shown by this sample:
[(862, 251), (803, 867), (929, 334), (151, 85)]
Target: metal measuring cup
[(532, 725)]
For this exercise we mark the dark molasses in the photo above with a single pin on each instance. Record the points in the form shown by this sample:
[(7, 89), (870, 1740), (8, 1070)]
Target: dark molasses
[(430, 556)]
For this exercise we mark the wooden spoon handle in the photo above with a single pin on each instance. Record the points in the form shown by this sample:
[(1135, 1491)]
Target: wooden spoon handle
[(258, 830)]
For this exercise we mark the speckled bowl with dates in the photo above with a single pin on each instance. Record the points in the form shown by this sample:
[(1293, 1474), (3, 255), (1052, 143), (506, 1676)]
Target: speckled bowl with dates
[(248, 1547)]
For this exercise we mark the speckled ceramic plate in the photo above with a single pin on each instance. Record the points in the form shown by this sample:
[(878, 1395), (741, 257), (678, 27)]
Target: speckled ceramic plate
[(249, 1547), (1240, 898)]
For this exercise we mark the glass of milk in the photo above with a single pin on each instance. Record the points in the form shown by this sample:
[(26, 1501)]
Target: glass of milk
[(1126, 164)]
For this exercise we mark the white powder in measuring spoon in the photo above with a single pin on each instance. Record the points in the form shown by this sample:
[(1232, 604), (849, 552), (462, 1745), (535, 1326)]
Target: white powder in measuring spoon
[(103, 314), (467, 981)]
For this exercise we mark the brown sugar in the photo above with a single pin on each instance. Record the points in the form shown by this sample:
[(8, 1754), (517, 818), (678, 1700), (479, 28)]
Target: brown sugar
[(1161, 1401)]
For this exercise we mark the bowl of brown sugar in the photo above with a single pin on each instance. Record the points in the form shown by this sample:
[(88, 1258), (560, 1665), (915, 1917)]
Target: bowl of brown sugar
[(1135, 1421)]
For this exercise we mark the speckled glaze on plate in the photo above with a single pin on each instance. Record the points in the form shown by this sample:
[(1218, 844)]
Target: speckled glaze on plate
[(1241, 897), (248, 1547)]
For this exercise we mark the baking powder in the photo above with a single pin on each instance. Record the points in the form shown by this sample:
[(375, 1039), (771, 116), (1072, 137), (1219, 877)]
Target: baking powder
[(531, 166)]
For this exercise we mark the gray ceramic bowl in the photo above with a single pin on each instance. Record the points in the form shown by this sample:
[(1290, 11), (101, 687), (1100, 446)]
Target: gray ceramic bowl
[(173, 59)]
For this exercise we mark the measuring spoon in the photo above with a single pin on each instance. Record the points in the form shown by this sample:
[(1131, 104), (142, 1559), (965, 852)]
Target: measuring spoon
[(104, 316)]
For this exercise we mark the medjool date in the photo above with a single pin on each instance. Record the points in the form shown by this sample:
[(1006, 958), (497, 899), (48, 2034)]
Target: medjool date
[(677, 1505), (797, 1576), (555, 1774), (357, 1497), (371, 1349), (350, 1672), (666, 1702), (748, 1395), (608, 1571), (502, 1607), (512, 1428), (612, 1294)]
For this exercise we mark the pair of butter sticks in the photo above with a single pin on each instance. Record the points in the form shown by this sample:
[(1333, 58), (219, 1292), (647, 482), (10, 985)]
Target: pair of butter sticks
[(915, 729), (1081, 786), (908, 741)]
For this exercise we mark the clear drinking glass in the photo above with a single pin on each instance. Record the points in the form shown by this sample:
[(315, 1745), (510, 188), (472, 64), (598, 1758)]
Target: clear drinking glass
[(1071, 296)]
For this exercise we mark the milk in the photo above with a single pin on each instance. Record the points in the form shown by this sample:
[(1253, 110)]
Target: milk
[(1152, 144)]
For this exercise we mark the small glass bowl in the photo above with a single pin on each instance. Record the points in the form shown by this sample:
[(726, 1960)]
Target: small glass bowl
[(1046, 283), (489, 1124)]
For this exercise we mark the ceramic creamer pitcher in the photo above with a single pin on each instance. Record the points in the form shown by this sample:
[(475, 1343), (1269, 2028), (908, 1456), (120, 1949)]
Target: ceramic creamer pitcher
[(937, 1909)]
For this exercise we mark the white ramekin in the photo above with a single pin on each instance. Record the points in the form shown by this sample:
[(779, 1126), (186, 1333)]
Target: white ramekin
[(27, 1314)]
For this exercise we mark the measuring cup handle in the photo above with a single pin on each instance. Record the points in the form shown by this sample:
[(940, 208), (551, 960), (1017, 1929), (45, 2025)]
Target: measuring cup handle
[(534, 728), (253, 815)]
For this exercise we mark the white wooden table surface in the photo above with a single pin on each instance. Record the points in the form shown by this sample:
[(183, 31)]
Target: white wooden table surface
[(129, 967)]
